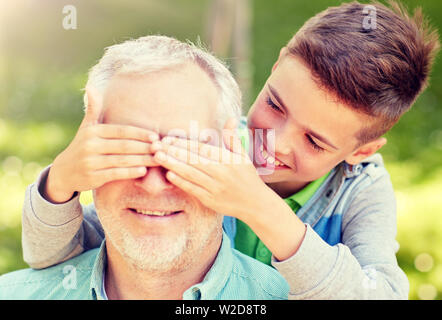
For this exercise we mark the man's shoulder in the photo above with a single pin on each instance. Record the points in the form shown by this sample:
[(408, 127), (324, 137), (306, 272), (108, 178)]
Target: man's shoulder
[(62, 281), (263, 281)]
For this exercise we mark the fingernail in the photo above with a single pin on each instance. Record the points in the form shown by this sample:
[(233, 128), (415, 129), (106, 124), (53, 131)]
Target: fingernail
[(153, 137), (167, 140), (142, 170), (160, 156), (156, 145)]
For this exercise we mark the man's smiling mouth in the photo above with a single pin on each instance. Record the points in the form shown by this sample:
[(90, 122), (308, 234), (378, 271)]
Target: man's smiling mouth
[(156, 213)]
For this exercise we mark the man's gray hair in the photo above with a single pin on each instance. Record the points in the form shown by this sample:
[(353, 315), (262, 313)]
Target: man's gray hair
[(154, 53)]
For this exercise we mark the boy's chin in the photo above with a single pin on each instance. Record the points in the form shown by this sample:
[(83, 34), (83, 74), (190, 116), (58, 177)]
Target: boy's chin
[(273, 177)]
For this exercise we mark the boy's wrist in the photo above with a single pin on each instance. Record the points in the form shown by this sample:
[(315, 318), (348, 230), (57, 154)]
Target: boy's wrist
[(254, 211), (52, 191), (44, 211)]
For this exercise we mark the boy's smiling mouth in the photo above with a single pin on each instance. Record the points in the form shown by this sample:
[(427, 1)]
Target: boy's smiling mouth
[(270, 159)]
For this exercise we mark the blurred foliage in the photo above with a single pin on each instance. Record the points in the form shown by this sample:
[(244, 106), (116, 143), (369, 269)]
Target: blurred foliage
[(43, 69)]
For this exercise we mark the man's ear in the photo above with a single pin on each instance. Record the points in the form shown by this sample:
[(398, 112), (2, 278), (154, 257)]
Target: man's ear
[(365, 151), (282, 52)]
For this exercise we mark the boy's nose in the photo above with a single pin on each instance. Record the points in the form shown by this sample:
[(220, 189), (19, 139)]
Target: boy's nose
[(154, 181), (283, 143), (283, 149)]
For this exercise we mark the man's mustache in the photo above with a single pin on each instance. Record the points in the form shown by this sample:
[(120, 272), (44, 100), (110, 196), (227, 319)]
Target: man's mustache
[(170, 201)]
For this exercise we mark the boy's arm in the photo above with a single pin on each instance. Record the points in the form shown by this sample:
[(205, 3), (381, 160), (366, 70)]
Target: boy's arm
[(53, 233), (364, 265), (313, 268)]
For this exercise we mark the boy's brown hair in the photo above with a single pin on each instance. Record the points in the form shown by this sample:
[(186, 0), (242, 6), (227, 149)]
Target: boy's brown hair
[(377, 69)]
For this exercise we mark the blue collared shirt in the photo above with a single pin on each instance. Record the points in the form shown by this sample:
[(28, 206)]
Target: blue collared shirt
[(232, 276)]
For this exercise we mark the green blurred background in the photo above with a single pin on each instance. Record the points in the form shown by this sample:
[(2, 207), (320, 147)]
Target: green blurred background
[(43, 68)]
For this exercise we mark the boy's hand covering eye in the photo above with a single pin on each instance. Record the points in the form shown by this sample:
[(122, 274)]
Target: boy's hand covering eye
[(223, 179), (99, 153)]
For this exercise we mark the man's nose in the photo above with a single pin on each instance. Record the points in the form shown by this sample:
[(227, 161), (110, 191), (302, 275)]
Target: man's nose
[(154, 181)]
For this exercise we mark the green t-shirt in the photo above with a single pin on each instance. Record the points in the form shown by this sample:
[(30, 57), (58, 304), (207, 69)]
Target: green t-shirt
[(246, 241)]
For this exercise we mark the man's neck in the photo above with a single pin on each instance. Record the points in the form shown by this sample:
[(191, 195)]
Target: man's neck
[(125, 281)]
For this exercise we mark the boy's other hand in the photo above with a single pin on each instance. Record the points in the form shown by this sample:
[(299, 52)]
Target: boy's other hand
[(223, 179), (99, 153)]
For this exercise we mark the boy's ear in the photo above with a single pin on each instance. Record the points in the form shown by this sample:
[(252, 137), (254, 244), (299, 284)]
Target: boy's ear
[(282, 52), (365, 151)]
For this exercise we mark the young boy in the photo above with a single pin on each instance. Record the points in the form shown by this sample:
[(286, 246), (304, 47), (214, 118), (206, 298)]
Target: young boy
[(337, 87)]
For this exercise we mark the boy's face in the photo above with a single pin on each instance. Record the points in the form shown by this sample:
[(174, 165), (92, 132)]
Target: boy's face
[(313, 132)]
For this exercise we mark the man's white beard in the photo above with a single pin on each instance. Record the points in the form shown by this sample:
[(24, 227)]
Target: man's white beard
[(161, 254), (152, 253)]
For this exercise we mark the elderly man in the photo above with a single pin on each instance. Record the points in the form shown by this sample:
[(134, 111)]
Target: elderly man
[(161, 243)]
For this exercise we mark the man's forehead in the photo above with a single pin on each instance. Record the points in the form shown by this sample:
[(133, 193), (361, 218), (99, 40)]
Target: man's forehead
[(164, 127), (162, 102)]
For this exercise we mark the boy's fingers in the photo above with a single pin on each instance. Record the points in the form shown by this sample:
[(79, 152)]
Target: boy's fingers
[(185, 170), (187, 186), (115, 131), (112, 174), (124, 161), (93, 108), (230, 137), (120, 146), (182, 161), (180, 146), (203, 150)]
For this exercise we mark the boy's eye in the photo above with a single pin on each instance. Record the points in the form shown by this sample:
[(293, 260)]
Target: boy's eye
[(272, 105), (313, 144)]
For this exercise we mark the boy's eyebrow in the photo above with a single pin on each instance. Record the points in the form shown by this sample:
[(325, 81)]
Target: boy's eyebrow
[(277, 97), (309, 131)]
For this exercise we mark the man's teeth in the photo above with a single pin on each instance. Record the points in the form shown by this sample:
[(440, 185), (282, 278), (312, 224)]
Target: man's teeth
[(269, 158), (154, 213)]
